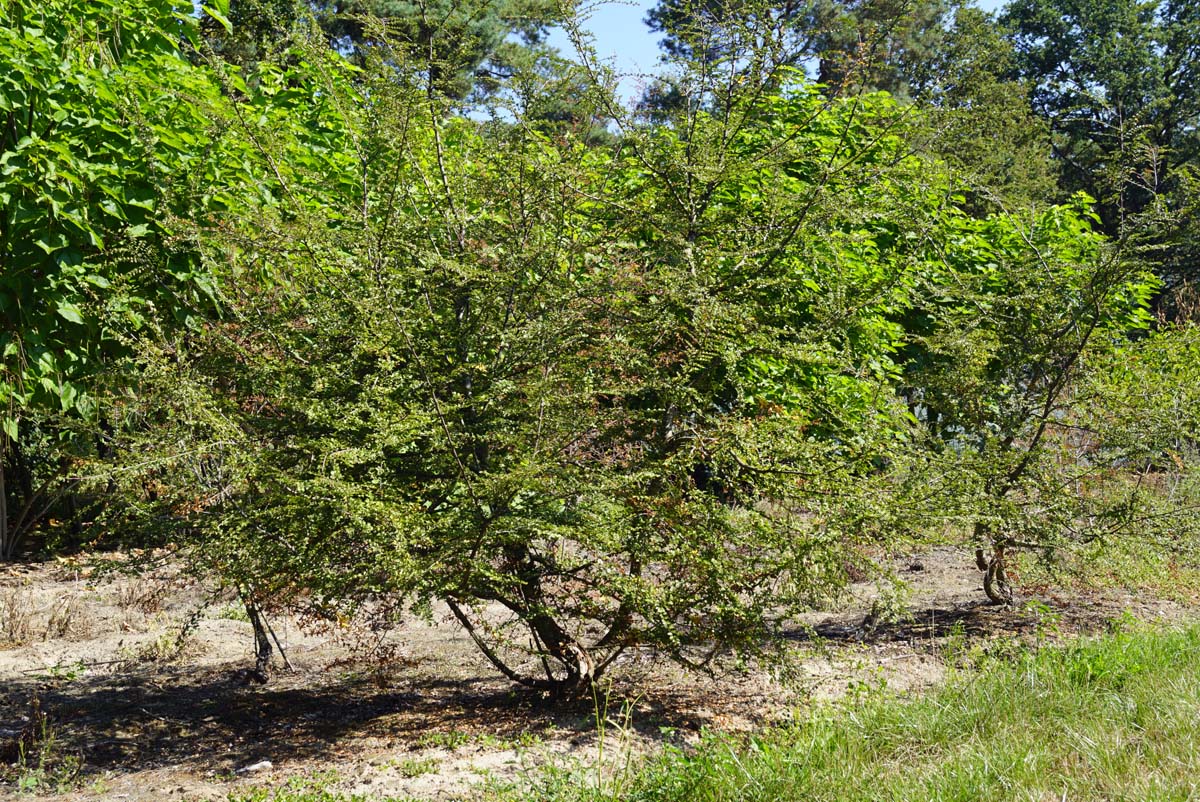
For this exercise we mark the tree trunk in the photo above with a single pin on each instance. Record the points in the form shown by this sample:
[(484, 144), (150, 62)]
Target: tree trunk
[(995, 579), (575, 660), (551, 643), (549, 636), (262, 643), (5, 549)]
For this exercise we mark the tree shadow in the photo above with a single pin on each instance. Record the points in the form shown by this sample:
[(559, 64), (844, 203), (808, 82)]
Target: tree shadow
[(206, 720), (973, 620)]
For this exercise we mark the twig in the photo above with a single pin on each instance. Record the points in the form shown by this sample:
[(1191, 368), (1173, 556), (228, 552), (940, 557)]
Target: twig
[(59, 666)]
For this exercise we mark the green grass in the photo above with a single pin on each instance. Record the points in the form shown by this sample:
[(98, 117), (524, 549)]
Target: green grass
[(1110, 718)]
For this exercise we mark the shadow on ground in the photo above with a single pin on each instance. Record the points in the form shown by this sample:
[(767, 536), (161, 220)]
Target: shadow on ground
[(209, 721), (975, 620)]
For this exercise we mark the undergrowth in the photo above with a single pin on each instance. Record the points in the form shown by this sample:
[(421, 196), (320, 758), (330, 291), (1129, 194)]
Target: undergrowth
[(1112, 717)]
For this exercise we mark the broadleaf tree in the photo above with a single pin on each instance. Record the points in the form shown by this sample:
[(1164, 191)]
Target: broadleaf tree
[(107, 130)]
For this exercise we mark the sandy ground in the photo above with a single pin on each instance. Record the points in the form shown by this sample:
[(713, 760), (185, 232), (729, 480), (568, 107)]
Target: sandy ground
[(95, 662)]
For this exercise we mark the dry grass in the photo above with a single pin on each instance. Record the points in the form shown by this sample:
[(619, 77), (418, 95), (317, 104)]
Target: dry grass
[(23, 620), (17, 610)]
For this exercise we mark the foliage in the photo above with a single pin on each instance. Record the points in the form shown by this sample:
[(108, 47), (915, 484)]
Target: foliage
[(245, 32), (466, 47), (621, 396), (980, 119), (1123, 115), (107, 138), (88, 187), (1010, 316), (1141, 419), (1116, 80), (855, 44), (658, 393), (463, 47), (591, 379)]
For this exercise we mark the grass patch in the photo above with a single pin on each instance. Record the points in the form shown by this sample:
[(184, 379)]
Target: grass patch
[(1114, 718), (1133, 565)]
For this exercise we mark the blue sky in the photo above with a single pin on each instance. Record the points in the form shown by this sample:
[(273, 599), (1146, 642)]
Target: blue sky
[(622, 38)]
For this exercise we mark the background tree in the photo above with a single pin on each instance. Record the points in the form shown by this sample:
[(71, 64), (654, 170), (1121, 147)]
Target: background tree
[(1140, 412), (980, 120), (881, 44), (464, 46), (1116, 80), (556, 97), (872, 44), (108, 127), (469, 48), (245, 32)]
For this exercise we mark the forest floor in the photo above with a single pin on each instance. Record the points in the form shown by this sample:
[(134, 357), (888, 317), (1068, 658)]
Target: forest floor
[(94, 674)]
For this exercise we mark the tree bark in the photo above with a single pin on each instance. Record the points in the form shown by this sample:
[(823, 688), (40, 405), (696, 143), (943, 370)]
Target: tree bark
[(5, 552), (262, 643), (569, 653), (995, 579)]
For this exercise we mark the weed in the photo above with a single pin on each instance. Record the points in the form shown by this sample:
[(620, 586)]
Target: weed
[(891, 605), (163, 649), (450, 740), (607, 774), (68, 672), (613, 778), (16, 615), (66, 618), (1045, 620), (234, 612), (39, 766), (523, 740), (955, 646), (145, 595), (311, 788), (1125, 622), (414, 767)]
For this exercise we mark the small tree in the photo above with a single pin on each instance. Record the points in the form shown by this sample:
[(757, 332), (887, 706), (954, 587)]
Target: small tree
[(1010, 317), (1138, 427), (587, 399)]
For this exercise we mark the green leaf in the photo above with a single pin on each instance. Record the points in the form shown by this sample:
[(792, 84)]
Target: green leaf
[(70, 311), (10, 427), (52, 242), (219, 17), (68, 396)]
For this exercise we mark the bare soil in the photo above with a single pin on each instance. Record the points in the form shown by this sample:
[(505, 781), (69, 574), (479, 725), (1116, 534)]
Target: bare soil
[(94, 665)]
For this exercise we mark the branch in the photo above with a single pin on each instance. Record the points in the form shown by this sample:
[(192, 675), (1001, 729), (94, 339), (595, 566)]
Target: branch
[(490, 654)]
